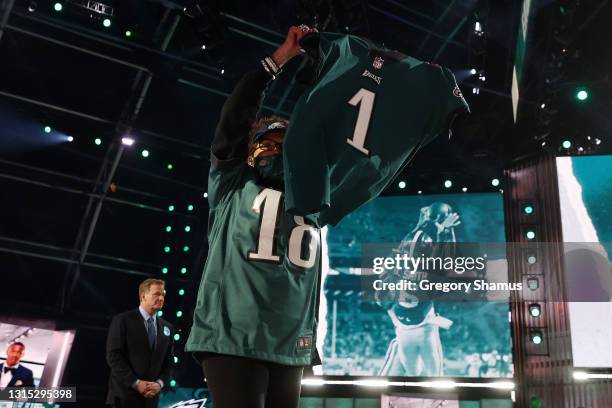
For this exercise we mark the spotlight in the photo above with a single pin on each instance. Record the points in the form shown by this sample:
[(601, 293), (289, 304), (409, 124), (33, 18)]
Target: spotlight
[(186, 248), (530, 234), (535, 310), (476, 91), (597, 141), (47, 129), (205, 195), (478, 27), (203, 46), (190, 207), (581, 375), (580, 149), (473, 71), (222, 71), (531, 259), (173, 382), (168, 228), (164, 270), (32, 6), (177, 337), (482, 77), (175, 357), (582, 95), (187, 228), (170, 208), (106, 22), (179, 313), (528, 209), (166, 249), (181, 292), (58, 6), (495, 182), (566, 144), (448, 183), (169, 166), (128, 33), (160, 313), (464, 189), (419, 192), (536, 337), (183, 271), (145, 153), (402, 184), (543, 105), (98, 141), (128, 141), (70, 139)]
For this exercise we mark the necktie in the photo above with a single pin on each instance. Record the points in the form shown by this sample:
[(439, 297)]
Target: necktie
[(151, 332)]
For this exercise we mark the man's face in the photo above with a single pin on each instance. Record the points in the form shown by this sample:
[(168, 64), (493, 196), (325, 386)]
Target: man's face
[(14, 353), (153, 298)]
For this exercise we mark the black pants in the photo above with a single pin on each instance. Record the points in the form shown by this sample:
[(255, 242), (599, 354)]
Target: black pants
[(248, 383)]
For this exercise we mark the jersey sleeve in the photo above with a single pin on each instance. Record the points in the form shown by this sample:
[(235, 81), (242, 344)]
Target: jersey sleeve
[(230, 143), (450, 104)]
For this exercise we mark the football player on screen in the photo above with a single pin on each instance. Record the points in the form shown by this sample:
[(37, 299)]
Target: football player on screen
[(416, 349)]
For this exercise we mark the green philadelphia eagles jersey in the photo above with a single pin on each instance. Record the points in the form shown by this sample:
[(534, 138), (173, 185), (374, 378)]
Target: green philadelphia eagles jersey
[(367, 114), (258, 295)]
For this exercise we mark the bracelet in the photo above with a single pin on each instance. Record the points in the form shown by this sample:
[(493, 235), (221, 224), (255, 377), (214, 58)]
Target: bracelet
[(263, 63), (271, 67), (275, 68)]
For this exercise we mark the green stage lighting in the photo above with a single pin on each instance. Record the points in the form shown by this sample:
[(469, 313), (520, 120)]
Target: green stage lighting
[(582, 95)]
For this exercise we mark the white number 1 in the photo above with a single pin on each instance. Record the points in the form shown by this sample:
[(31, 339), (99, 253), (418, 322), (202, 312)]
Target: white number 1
[(365, 100)]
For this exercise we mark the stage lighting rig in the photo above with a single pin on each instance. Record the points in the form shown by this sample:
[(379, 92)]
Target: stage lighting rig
[(95, 10)]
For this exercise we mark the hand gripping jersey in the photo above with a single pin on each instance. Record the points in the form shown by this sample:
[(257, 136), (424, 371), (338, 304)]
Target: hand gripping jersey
[(365, 117)]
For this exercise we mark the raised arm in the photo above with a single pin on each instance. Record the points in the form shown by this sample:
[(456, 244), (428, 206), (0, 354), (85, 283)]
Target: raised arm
[(230, 143)]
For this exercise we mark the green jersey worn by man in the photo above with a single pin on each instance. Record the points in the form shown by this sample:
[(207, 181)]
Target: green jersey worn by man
[(258, 295), (367, 114)]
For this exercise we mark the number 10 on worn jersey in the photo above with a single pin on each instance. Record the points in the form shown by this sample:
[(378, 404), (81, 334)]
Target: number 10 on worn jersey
[(258, 296)]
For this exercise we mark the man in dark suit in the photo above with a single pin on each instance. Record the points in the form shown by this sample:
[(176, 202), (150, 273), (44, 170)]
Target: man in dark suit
[(139, 351), (13, 374)]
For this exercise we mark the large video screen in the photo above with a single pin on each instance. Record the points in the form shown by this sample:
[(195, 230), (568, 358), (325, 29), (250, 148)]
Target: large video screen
[(585, 195), (361, 336)]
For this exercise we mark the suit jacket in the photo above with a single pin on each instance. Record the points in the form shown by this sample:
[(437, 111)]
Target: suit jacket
[(22, 374), (130, 358)]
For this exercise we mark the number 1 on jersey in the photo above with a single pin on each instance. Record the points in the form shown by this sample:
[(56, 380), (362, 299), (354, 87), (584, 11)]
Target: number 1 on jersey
[(365, 100)]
